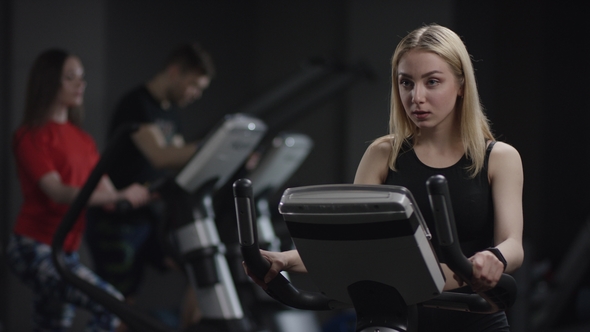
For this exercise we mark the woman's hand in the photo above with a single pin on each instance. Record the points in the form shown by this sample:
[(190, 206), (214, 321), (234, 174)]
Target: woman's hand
[(277, 264), (487, 270), (135, 194), (279, 261)]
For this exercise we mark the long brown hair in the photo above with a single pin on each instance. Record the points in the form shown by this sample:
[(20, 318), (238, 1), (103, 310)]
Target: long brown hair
[(43, 86)]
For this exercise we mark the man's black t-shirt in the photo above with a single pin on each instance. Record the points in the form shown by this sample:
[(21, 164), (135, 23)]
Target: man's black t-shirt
[(139, 107)]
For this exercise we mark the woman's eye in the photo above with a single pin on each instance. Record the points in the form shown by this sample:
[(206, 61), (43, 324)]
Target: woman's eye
[(433, 81), (405, 83), (72, 77)]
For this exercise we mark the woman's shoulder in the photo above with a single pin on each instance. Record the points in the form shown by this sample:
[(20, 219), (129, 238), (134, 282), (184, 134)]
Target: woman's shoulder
[(504, 149), (30, 133), (373, 167), (80, 133), (504, 157), (382, 145)]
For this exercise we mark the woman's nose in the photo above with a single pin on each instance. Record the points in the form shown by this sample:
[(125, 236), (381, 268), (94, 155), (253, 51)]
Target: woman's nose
[(418, 94)]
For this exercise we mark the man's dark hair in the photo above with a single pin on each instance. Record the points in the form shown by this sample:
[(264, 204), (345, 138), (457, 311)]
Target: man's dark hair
[(192, 57)]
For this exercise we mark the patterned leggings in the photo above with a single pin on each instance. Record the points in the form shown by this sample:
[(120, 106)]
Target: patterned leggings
[(55, 300)]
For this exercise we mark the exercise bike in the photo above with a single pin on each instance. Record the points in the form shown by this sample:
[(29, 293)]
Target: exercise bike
[(336, 227)]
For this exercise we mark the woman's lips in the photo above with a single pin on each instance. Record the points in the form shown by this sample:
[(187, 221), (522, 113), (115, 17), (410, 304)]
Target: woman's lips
[(420, 115)]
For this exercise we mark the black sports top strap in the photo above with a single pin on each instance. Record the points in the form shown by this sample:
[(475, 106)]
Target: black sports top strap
[(488, 151)]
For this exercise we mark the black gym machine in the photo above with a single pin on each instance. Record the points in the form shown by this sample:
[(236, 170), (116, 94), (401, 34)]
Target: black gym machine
[(336, 227), (191, 226)]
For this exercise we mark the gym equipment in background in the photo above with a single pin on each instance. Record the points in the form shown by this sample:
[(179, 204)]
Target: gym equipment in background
[(191, 219), (193, 234)]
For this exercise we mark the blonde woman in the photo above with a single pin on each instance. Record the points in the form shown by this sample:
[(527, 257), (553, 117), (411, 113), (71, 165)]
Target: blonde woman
[(437, 126)]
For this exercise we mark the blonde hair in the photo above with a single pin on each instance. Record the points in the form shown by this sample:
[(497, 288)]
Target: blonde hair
[(475, 128)]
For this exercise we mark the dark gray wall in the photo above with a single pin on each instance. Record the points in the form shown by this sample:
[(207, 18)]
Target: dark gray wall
[(5, 195), (529, 57)]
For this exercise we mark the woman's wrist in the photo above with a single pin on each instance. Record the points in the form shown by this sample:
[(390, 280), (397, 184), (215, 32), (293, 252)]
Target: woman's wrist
[(498, 255)]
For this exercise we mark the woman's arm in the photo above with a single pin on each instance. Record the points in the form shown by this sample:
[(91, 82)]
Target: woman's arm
[(104, 194), (506, 179)]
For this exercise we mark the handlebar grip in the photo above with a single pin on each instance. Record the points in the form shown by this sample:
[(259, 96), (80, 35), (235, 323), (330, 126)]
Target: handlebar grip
[(444, 219), (123, 206), (503, 295), (279, 287)]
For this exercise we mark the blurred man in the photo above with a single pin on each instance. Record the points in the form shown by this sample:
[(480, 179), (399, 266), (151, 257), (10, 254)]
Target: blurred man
[(122, 244)]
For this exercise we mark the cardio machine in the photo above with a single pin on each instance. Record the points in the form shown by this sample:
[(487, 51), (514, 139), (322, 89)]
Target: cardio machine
[(277, 164), (191, 227), (337, 227), (191, 217), (287, 152)]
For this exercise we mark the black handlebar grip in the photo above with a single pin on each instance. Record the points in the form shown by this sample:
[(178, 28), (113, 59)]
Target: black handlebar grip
[(247, 229), (503, 295), (245, 212), (279, 287), (444, 220), (123, 206)]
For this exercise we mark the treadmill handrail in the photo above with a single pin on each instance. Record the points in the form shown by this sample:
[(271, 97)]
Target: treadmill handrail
[(499, 298), (135, 319)]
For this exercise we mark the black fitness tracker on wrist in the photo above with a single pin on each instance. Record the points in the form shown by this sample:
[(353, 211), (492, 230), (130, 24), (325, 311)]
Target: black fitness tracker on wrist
[(498, 255)]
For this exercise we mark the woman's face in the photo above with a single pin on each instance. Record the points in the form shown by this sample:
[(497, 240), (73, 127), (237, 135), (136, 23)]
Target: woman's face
[(428, 88), (71, 92)]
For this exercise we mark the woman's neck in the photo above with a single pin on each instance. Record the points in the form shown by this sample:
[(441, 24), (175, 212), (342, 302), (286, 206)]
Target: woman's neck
[(59, 114), (446, 135), (439, 150)]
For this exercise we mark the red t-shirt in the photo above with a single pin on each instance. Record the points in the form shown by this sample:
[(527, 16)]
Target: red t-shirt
[(60, 147)]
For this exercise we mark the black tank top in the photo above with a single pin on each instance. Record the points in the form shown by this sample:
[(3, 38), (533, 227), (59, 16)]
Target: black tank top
[(471, 197)]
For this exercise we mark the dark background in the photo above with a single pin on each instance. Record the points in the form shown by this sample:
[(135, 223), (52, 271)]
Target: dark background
[(531, 60)]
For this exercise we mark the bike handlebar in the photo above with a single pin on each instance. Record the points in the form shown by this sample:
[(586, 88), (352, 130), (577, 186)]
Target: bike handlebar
[(279, 287), (503, 295)]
